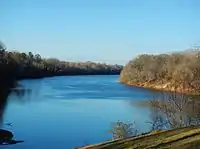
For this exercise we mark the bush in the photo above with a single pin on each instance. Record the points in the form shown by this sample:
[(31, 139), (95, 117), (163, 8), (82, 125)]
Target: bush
[(122, 130)]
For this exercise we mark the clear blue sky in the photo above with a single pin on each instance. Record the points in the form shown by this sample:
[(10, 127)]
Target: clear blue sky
[(111, 31)]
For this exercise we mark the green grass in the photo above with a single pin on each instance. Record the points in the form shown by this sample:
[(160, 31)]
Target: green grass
[(184, 138)]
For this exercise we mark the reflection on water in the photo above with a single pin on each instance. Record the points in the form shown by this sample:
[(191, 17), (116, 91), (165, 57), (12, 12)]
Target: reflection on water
[(5, 92), (6, 136), (67, 112)]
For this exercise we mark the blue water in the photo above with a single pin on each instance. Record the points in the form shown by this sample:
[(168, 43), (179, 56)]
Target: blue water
[(72, 111)]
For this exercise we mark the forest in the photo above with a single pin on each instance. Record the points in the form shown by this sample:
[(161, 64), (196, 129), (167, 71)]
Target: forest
[(173, 71), (18, 65)]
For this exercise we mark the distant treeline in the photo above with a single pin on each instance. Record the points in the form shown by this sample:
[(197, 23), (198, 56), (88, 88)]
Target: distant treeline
[(175, 70), (27, 65)]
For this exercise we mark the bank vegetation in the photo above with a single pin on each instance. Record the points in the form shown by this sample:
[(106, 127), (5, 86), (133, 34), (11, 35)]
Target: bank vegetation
[(174, 71)]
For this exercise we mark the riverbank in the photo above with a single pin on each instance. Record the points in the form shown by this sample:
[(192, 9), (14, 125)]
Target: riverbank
[(183, 138), (166, 87), (177, 71)]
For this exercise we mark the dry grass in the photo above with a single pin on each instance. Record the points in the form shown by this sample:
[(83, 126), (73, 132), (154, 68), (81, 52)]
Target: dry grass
[(184, 138)]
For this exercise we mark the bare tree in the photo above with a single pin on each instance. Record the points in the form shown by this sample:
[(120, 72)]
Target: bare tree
[(165, 69), (122, 130), (174, 110)]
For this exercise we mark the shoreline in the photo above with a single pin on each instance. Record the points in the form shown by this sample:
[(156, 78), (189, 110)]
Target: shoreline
[(49, 76), (161, 88)]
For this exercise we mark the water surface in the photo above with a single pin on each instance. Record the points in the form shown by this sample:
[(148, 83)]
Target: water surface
[(72, 111)]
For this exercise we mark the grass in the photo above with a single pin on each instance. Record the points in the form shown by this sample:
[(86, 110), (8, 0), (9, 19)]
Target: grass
[(183, 138)]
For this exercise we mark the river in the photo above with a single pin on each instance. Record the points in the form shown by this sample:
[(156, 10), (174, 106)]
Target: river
[(72, 111)]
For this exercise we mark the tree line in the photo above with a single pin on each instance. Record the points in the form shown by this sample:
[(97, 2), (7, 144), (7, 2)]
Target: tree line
[(178, 70), (28, 65)]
